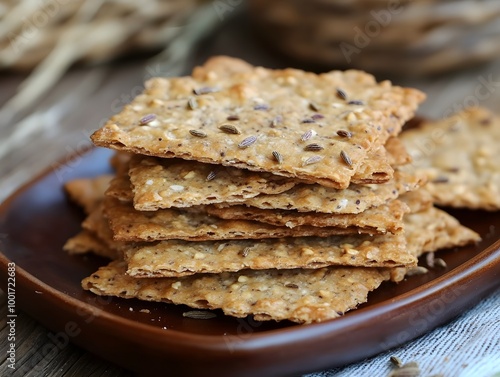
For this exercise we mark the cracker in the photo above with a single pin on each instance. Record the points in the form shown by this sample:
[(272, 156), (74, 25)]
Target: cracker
[(87, 242), (127, 224), (431, 230), (355, 199), (302, 296), (164, 183), (460, 157), (120, 188), (174, 257), (397, 155), (119, 161), (384, 218), (275, 112), (87, 192)]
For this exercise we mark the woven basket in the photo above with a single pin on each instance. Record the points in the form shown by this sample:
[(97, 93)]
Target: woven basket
[(85, 30), (387, 36)]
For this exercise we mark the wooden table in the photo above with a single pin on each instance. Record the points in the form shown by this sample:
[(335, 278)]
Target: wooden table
[(90, 95)]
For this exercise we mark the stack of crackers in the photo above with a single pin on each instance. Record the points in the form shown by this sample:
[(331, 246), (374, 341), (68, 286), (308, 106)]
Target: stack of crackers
[(281, 194)]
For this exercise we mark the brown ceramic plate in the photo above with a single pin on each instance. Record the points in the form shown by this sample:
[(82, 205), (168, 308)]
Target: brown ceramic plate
[(37, 220)]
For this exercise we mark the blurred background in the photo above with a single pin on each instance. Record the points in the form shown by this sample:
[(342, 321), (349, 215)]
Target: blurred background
[(68, 65)]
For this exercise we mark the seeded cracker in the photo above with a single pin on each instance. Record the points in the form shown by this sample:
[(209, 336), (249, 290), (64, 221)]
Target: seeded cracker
[(164, 183), (169, 258), (87, 242), (355, 199), (128, 224), (257, 97), (87, 193), (460, 157), (384, 218), (302, 296)]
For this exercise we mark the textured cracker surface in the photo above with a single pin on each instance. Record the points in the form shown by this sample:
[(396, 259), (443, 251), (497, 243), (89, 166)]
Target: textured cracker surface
[(461, 157), (257, 96), (87, 192), (302, 296), (384, 218), (355, 199), (164, 183), (128, 224), (429, 230), (169, 258), (87, 242)]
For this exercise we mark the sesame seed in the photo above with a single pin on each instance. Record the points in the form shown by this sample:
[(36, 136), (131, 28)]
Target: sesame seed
[(344, 133), (247, 141), (341, 94), (147, 119), (313, 147), (278, 157), (198, 133), (346, 158), (205, 90), (229, 129), (312, 160)]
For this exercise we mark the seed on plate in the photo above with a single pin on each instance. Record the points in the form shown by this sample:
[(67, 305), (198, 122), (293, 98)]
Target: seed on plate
[(197, 133), (307, 135), (344, 133), (355, 102), (247, 141), (192, 103), (438, 262), (419, 270), (211, 175), (205, 90), (313, 147), (229, 129), (346, 158), (312, 160), (278, 157), (147, 119), (341, 94), (199, 314)]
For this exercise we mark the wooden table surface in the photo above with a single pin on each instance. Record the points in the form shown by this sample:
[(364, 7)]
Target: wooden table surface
[(87, 96)]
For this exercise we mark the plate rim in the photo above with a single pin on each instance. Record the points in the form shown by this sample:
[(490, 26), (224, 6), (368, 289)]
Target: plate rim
[(488, 258)]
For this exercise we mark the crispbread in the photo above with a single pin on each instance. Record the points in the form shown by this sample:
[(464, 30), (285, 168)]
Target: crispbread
[(164, 183), (397, 155), (430, 230), (384, 218), (299, 295), (87, 242), (460, 156), (127, 224), (355, 199), (275, 110), (173, 258), (87, 193), (120, 188)]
